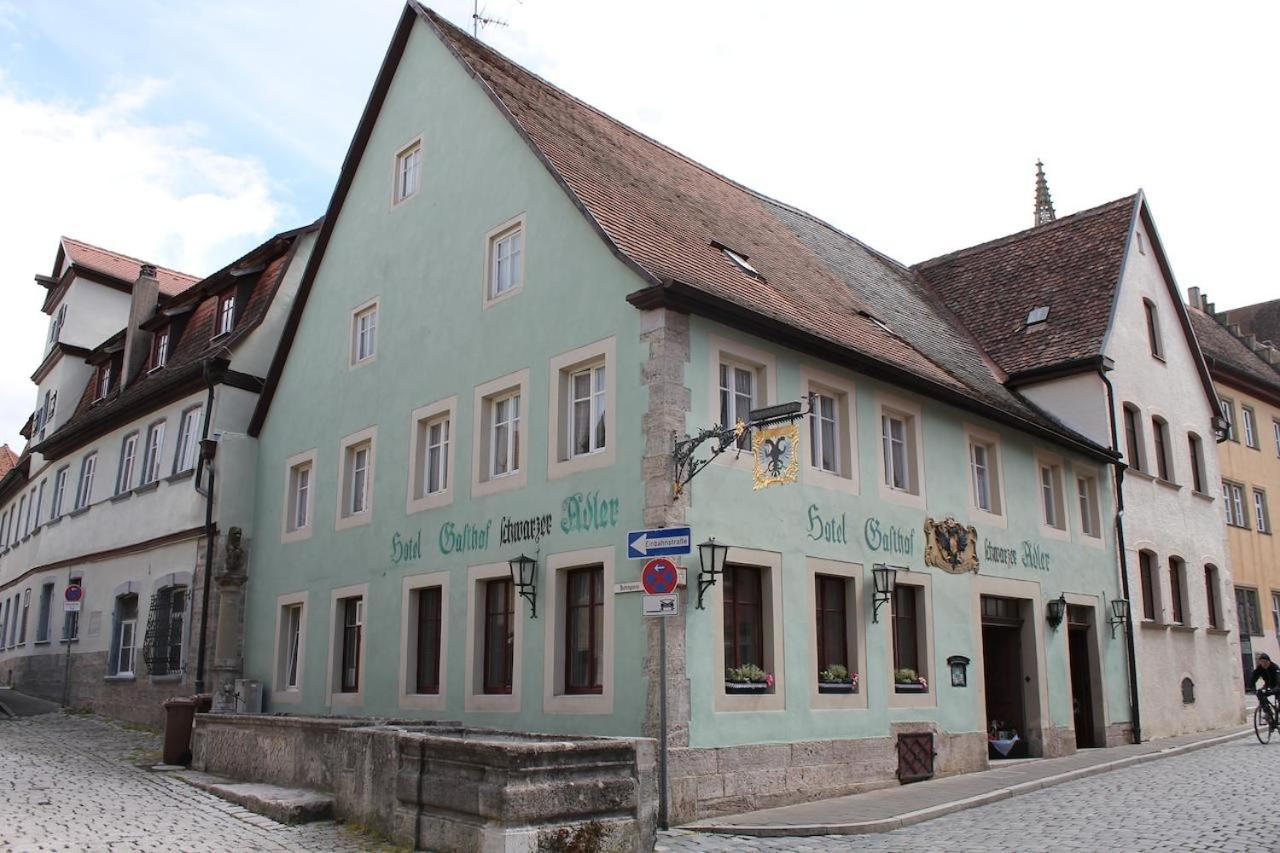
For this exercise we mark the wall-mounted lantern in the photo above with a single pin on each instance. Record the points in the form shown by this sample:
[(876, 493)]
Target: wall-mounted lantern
[(885, 578), (1055, 611), (711, 556), (1119, 614), (959, 670), (524, 574)]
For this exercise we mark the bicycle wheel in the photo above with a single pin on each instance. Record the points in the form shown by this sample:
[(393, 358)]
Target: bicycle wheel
[(1261, 723)]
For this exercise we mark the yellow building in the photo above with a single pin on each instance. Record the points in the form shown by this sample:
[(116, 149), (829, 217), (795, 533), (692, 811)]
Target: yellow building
[(1245, 374)]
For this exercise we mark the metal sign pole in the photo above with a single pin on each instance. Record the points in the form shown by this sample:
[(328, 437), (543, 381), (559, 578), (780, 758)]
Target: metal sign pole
[(662, 723), (66, 630)]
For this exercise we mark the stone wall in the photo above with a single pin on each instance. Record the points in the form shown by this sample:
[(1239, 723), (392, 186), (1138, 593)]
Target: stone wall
[(444, 787), (712, 782), (136, 700)]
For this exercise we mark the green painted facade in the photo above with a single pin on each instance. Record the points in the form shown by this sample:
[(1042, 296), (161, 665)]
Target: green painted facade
[(424, 260)]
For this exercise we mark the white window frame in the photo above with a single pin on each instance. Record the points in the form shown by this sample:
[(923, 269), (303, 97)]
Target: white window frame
[(1089, 504), (1060, 526), (554, 698), (492, 240), (282, 692), (561, 462), (59, 491), (128, 462), (1261, 512), (1229, 415), (333, 687), (843, 392), (421, 420), (152, 453), (290, 531), (346, 517), (735, 353), (1233, 502), (187, 449), (409, 587), (160, 348), (912, 416), (993, 448), (474, 697), (1249, 420), (1275, 434), (118, 646), (368, 310), (84, 483), (486, 395), (223, 320), (402, 190)]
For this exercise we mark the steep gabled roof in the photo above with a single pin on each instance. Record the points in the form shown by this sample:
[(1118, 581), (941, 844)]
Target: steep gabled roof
[(670, 220), (1231, 361), (1071, 265), (7, 460), (121, 267)]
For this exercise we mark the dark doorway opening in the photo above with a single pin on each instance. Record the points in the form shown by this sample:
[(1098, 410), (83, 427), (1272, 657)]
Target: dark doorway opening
[(1078, 636), (1003, 677)]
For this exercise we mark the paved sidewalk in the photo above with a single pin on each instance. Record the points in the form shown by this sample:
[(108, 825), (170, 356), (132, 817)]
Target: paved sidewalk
[(888, 809)]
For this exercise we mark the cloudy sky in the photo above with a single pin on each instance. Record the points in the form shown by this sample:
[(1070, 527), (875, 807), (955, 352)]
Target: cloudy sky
[(184, 132)]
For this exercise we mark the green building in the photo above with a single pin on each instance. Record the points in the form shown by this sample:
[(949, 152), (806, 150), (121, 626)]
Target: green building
[(515, 306)]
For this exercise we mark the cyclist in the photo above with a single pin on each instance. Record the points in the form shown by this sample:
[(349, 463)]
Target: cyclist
[(1270, 675)]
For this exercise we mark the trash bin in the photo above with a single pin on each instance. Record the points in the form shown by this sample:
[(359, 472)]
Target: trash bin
[(179, 719)]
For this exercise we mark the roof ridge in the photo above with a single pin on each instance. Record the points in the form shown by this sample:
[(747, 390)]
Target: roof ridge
[(1221, 319), (138, 261), (1056, 224)]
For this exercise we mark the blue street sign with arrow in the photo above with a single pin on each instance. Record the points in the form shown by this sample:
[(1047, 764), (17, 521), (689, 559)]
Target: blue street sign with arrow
[(659, 542)]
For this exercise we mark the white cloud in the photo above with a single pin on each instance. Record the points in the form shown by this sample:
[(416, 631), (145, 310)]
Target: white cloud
[(104, 174)]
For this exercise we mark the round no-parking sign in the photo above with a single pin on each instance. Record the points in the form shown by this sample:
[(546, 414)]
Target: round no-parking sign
[(74, 593), (659, 576)]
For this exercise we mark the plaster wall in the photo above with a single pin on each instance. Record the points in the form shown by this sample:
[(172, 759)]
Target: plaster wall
[(1168, 517), (95, 312), (1079, 401)]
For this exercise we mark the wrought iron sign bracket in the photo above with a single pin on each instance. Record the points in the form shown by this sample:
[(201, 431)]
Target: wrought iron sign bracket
[(688, 466)]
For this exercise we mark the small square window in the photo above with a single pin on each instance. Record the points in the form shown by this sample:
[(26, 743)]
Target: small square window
[(408, 172), (364, 334)]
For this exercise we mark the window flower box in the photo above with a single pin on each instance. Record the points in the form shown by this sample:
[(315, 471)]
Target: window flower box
[(905, 680), (748, 678), (837, 687), (910, 688), (737, 687), (836, 678)]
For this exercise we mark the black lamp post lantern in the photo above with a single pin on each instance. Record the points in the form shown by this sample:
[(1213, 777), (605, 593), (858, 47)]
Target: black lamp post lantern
[(711, 556), (959, 670), (524, 574), (1119, 614), (1055, 610), (885, 578)]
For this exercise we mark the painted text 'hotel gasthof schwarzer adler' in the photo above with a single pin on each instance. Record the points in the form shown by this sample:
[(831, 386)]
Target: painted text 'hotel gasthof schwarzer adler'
[(516, 302)]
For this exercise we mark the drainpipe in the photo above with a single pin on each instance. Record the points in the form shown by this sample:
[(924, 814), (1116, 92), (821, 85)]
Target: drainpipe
[(1134, 717), (214, 371)]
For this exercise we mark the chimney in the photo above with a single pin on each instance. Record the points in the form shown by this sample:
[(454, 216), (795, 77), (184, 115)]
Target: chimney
[(1193, 298), (137, 342)]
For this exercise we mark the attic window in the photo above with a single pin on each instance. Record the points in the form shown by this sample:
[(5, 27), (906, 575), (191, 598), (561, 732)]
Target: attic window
[(740, 260), (1038, 315)]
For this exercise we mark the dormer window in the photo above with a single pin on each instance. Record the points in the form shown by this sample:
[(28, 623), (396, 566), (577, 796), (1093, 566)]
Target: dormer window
[(55, 325), (226, 318), (103, 384), (160, 349)]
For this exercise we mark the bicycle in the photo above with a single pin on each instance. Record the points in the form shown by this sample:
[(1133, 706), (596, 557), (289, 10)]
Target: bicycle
[(1266, 718)]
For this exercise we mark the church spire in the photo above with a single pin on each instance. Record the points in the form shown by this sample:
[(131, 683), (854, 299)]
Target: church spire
[(1044, 203)]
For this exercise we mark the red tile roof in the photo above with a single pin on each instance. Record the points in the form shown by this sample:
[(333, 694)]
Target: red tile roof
[(1229, 358), (1261, 319), (1071, 265), (123, 267), (7, 459)]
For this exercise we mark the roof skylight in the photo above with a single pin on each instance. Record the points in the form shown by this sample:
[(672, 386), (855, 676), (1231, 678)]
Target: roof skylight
[(1038, 315), (740, 260)]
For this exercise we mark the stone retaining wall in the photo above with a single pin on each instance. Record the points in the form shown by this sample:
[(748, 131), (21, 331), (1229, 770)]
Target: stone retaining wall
[(136, 700)]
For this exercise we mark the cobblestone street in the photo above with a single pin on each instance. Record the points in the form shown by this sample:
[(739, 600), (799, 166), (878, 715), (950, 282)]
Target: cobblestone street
[(72, 783), (1221, 798)]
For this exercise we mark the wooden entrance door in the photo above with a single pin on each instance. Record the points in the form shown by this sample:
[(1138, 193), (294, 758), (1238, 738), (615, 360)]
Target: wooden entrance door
[(1002, 672), (1081, 685)]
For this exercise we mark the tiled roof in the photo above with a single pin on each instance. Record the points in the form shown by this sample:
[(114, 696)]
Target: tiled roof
[(1071, 265), (123, 267), (667, 215), (1224, 352), (1261, 319), (7, 459)]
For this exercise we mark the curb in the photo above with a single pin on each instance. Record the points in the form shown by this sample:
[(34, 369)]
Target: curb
[(889, 824)]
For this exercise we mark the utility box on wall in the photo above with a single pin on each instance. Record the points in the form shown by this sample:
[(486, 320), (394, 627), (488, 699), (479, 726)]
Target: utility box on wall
[(248, 696)]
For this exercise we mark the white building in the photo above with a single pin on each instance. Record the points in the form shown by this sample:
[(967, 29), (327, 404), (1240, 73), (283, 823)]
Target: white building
[(111, 494)]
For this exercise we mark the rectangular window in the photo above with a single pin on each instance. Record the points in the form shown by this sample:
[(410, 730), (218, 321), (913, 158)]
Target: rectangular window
[(893, 431), (1229, 415), (292, 624), (1175, 590), (982, 476), (587, 405), (1250, 422), (45, 615), (26, 611), (1132, 437), (499, 635), (436, 473), (1211, 596), (1051, 496), (1248, 611), (163, 644), (1275, 434), (584, 631), (1260, 514), (1233, 504), (184, 458), (506, 266), (84, 489), (408, 172), (299, 496), (504, 439), (1153, 328), (1160, 444), (743, 617), (103, 384), (831, 596), (160, 348), (151, 453), (126, 636), (226, 318), (1087, 493), (128, 453), (352, 611), (1197, 462), (430, 621), (824, 434), (21, 526), (737, 398), (1147, 572), (907, 621), (71, 621), (1275, 606), (364, 334), (358, 478)]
